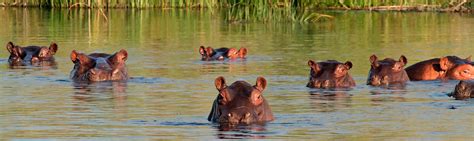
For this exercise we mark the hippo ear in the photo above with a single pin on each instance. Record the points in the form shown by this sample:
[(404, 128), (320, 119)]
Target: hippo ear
[(202, 50), (468, 58), (373, 61), (10, 47), (261, 83), (14, 50), (220, 83), (444, 63), (209, 51), (119, 57), (243, 52), (232, 53), (53, 48), (79, 58), (313, 65), (403, 59), (348, 64)]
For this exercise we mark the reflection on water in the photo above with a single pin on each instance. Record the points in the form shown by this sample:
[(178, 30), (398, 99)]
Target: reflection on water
[(171, 91), (89, 91), (37, 66), (329, 100), (253, 131)]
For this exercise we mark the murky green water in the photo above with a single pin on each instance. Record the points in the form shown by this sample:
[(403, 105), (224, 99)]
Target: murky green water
[(172, 90)]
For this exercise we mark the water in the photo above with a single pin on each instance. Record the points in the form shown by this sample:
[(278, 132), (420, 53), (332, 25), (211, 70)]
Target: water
[(171, 92)]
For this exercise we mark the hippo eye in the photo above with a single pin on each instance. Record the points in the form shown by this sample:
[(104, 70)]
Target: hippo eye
[(465, 71)]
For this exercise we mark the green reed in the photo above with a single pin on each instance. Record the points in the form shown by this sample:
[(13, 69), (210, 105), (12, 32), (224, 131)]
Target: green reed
[(226, 3), (302, 11)]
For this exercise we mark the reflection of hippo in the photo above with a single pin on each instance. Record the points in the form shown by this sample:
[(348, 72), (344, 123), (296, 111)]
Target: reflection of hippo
[(31, 54), (99, 66), (387, 71), (209, 54), (330, 74), (449, 67), (240, 103), (463, 90)]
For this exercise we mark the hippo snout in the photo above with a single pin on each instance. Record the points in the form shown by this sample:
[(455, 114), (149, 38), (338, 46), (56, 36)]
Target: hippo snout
[(377, 80), (238, 117)]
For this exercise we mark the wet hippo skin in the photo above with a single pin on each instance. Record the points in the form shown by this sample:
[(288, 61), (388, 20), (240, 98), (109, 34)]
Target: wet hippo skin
[(449, 67), (240, 103), (330, 74), (463, 90), (99, 66), (387, 71), (30, 55), (210, 54)]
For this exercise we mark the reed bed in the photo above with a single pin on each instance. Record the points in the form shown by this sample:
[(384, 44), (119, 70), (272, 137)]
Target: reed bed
[(302, 11), (351, 4)]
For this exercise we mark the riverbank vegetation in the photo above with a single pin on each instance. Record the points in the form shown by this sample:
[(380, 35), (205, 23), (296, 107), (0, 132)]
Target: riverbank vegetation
[(316, 4), (258, 10)]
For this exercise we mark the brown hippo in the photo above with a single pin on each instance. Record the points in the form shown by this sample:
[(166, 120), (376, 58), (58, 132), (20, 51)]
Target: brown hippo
[(240, 103), (210, 54), (99, 66), (20, 56), (387, 71), (463, 90), (330, 74), (449, 67)]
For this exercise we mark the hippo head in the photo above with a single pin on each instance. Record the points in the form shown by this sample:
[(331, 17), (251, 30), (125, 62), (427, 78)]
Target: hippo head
[(208, 54), (99, 66), (330, 74), (19, 55), (463, 90), (457, 68), (240, 103), (387, 71), (47, 53), (234, 53)]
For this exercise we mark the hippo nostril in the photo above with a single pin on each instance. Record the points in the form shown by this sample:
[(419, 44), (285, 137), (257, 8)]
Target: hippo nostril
[(325, 83), (384, 80), (93, 71), (318, 84), (247, 115)]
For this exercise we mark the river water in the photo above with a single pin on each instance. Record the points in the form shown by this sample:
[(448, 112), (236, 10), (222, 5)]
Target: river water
[(171, 90)]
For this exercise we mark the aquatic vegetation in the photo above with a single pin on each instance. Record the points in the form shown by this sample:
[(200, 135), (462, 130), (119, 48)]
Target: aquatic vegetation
[(301, 11)]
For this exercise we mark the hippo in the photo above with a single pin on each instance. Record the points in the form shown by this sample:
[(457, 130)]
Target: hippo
[(240, 103), (99, 66), (387, 71), (330, 74), (210, 54), (30, 55), (463, 90), (448, 67)]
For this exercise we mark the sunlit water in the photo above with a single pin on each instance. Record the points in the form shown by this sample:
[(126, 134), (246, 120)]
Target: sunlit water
[(171, 92)]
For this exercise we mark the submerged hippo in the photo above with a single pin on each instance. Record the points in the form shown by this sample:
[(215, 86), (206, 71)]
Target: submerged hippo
[(330, 74), (20, 56), (449, 67), (387, 71), (210, 54), (463, 90), (99, 66), (240, 103)]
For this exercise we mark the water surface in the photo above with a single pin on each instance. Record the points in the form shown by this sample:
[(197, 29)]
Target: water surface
[(171, 92)]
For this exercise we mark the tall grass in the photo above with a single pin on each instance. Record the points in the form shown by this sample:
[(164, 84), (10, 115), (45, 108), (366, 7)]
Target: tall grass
[(225, 3), (241, 10)]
